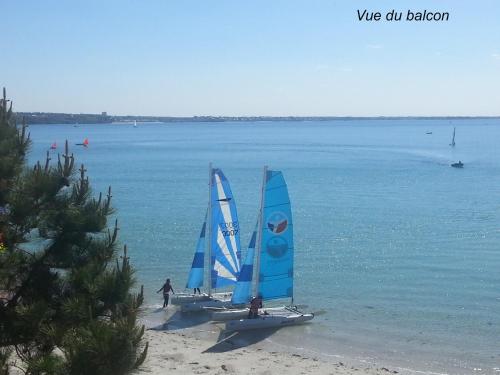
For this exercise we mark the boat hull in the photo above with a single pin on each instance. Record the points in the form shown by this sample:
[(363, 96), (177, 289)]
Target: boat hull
[(184, 298), (206, 305), (268, 321), (180, 299), (232, 314)]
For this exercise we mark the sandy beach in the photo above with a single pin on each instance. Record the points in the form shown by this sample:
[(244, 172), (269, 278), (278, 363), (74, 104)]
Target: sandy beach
[(178, 353), (186, 351)]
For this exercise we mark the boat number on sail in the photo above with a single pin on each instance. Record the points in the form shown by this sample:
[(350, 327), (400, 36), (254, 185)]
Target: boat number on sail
[(276, 246), (229, 229), (277, 222)]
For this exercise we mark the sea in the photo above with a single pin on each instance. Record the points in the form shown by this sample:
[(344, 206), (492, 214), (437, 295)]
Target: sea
[(396, 252)]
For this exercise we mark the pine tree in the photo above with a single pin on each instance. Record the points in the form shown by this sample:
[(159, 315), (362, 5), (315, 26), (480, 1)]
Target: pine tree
[(66, 303)]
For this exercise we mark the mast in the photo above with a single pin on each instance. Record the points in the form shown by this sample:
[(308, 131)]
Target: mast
[(259, 230), (209, 229)]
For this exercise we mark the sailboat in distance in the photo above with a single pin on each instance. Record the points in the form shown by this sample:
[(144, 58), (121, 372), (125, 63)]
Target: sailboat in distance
[(135, 124), (274, 260), (452, 144), (85, 143)]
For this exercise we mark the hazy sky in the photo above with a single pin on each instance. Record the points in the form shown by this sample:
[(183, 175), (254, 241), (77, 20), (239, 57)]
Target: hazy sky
[(269, 57)]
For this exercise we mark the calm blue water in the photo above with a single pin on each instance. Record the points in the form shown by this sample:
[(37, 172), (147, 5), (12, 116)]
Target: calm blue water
[(399, 250)]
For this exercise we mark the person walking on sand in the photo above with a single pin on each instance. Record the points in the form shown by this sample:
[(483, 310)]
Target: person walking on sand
[(167, 287)]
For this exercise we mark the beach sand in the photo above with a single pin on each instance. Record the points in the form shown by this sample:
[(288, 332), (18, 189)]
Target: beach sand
[(181, 352), (192, 345)]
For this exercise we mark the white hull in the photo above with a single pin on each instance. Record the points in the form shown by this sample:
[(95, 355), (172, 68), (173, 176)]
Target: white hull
[(206, 305), (280, 319), (184, 298), (231, 314)]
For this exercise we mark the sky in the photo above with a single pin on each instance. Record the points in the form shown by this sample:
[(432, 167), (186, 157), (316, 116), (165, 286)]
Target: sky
[(250, 58)]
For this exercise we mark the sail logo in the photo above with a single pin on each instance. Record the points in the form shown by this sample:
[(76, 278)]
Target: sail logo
[(277, 222), (276, 246)]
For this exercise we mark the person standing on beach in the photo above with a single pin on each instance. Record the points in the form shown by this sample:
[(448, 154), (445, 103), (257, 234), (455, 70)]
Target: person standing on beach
[(255, 305), (167, 287)]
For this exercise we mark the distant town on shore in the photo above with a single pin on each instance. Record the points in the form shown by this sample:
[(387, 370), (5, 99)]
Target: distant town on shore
[(104, 118)]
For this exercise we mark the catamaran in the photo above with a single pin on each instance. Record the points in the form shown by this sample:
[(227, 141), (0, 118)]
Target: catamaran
[(243, 290), (274, 252), (224, 250), (196, 275), (452, 144)]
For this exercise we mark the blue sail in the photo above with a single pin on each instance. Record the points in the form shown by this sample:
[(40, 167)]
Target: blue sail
[(243, 290), (225, 233), (195, 279), (276, 247)]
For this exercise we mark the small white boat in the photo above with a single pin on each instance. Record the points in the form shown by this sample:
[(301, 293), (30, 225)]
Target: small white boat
[(273, 320)]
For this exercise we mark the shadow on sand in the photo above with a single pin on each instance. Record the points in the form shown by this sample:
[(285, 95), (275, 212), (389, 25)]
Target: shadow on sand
[(179, 320), (228, 341)]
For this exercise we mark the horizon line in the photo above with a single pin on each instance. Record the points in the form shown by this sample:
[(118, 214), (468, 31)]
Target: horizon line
[(105, 114)]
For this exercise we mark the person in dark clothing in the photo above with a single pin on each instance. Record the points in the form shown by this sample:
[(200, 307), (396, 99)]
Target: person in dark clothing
[(255, 305), (167, 287), (197, 289)]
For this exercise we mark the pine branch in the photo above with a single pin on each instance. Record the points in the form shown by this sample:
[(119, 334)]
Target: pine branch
[(142, 357)]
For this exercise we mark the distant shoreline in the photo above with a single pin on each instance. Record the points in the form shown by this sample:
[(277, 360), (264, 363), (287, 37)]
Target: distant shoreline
[(32, 118)]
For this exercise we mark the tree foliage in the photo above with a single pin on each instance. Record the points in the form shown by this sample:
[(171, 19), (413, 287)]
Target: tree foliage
[(66, 303)]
